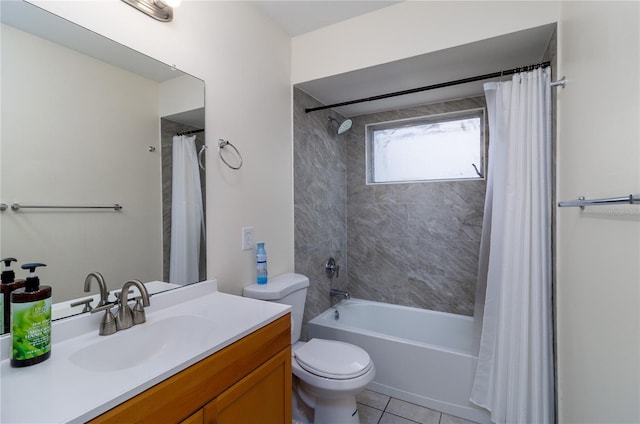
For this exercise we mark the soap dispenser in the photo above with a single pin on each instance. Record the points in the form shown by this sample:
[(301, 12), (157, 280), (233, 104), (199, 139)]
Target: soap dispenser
[(31, 321), (9, 284)]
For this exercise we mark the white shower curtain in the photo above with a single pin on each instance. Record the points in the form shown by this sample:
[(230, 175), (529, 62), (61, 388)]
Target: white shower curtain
[(514, 378), (187, 220)]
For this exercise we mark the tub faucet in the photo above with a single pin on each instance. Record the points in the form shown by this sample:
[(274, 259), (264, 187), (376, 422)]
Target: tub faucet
[(340, 294), (126, 316), (104, 294), (331, 268)]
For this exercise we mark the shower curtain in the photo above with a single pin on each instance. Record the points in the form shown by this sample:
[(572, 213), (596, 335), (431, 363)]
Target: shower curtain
[(187, 218), (514, 378)]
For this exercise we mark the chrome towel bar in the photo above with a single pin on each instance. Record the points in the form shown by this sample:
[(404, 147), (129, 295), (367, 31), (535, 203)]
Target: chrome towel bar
[(18, 206), (632, 199)]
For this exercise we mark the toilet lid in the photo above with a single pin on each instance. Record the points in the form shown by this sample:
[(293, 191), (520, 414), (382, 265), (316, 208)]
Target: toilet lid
[(333, 359)]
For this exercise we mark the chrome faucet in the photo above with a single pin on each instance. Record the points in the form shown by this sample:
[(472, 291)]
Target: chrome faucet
[(104, 294), (341, 294), (126, 316)]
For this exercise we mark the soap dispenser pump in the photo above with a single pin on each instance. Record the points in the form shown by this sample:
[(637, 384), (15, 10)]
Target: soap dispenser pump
[(31, 321), (8, 285)]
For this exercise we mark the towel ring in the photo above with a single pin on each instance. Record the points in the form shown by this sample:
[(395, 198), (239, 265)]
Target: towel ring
[(221, 145), (202, 149)]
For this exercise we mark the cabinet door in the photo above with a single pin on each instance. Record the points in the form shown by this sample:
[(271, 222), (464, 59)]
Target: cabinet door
[(196, 418), (263, 396)]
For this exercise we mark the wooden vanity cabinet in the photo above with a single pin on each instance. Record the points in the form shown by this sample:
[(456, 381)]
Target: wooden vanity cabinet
[(246, 382)]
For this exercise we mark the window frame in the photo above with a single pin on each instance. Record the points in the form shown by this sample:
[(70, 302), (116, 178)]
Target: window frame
[(423, 120)]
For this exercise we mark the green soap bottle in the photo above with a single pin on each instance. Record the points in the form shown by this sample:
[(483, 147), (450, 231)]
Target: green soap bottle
[(8, 285), (31, 321)]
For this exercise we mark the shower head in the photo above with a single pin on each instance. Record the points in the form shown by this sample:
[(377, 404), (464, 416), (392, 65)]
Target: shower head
[(343, 126)]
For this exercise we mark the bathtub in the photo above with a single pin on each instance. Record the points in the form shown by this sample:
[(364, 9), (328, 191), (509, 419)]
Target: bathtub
[(421, 356)]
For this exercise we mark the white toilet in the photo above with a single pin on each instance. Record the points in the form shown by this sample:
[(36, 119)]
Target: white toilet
[(327, 374)]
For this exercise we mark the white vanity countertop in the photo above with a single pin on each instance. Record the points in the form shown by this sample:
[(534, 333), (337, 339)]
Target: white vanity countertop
[(59, 391)]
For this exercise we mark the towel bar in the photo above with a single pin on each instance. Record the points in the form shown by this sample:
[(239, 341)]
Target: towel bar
[(632, 199)]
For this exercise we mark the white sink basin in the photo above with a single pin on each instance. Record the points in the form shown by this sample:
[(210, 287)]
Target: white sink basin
[(174, 336)]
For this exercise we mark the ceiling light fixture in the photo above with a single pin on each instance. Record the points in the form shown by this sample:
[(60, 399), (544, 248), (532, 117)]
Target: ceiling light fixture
[(161, 10)]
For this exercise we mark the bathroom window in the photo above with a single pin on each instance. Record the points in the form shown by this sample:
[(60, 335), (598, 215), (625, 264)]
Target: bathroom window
[(448, 146)]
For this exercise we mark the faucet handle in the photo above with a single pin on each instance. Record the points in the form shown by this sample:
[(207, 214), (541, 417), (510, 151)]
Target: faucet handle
[(86, 302), (138, 312), (108, 323), (332, 268)]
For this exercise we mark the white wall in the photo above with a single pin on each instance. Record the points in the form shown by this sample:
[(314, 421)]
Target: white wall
[(93, 150), (409, 29), (598, 250), (245, 62), (181, 94)]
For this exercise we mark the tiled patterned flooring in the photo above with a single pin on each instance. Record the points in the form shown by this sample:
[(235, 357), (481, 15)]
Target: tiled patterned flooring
[(376, 408)]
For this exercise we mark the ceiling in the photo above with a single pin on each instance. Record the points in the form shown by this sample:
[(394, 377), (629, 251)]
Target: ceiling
[(297, 17), (479, 58)]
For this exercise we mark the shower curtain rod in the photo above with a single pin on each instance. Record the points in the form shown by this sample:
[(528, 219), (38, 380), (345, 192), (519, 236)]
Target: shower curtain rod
[(435, 86), (190, 132)]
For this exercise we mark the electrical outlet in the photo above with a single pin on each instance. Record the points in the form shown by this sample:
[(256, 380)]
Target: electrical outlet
[(247, 238)]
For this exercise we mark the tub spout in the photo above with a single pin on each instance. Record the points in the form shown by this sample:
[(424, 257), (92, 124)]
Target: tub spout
[(340, 294)]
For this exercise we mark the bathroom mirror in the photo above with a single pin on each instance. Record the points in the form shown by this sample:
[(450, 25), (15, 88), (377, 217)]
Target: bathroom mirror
[(86, 122)]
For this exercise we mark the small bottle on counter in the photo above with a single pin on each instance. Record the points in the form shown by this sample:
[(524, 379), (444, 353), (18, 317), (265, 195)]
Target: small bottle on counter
[(31, 321), (8, 285), (261, 264)]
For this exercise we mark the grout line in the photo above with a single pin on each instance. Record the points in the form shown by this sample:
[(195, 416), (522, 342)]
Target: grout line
[(387, 404), (384, 411), (400, 416)]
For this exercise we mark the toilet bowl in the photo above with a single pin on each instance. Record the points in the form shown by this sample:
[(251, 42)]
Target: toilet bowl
[(327, 374)]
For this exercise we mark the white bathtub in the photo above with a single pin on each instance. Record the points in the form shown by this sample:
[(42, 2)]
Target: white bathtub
[(421, 356)]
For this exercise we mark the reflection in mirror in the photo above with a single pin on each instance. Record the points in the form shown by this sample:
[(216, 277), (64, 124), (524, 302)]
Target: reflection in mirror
[(92, 129)]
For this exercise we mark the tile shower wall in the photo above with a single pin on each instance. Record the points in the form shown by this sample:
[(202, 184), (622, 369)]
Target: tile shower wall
[(412, 244), (320, 199), (168, 130)]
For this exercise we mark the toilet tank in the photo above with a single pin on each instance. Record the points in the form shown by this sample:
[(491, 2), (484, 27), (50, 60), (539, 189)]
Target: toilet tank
[(289, 289)]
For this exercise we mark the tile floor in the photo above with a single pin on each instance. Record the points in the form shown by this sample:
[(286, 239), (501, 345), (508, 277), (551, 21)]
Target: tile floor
[(376, 408)]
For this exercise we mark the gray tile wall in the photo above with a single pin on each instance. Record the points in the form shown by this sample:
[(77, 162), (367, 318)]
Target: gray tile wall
[(408, 244), (320, 199), (413, 244)]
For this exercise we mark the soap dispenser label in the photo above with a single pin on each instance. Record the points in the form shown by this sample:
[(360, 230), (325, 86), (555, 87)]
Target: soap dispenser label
[(31, 329)]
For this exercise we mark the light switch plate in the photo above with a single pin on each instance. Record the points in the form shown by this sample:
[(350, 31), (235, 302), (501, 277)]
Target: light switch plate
[(247, 238)]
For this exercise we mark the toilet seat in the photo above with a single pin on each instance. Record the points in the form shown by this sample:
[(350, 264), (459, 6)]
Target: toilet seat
[(333, 359)]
